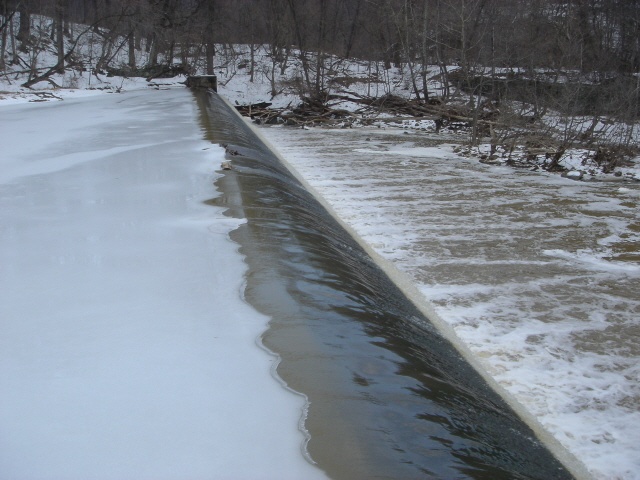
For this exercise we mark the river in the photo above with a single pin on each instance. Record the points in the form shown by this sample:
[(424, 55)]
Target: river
[(389, 395), (536, 276)]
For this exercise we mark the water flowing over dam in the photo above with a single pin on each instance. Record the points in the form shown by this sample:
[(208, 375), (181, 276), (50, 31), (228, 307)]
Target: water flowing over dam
[(389, 396)]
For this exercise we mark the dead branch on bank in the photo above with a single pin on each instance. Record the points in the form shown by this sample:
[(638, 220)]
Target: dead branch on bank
[(504, 132), (318, 111)]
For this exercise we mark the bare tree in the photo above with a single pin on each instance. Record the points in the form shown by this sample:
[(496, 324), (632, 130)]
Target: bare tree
[(24, 31), (6, 18)]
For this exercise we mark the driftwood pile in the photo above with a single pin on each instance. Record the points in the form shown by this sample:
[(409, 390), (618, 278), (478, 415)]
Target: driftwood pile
[(309, 112), (319, 111), (517, 143)]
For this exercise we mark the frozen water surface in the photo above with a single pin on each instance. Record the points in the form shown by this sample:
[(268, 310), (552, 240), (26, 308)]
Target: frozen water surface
[(126, 349), (537, 275)]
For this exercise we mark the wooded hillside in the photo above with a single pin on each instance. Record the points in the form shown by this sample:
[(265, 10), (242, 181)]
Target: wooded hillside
[(512, 61)]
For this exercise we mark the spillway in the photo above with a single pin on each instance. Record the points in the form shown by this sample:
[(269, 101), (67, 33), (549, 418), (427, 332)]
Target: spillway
[(389, 396)]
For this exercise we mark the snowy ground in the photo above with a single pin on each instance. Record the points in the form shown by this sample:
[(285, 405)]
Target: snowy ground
[(126, 349)]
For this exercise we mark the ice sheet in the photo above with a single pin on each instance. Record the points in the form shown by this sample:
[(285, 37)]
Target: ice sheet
[(126, 349)]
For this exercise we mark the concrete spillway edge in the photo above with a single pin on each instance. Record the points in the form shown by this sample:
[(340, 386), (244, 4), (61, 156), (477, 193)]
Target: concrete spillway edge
[(405, 284)]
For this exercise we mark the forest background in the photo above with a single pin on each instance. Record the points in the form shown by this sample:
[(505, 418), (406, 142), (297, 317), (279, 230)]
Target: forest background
[(552, 75)]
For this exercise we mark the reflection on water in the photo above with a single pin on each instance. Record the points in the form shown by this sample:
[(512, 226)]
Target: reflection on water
[(389, 397)]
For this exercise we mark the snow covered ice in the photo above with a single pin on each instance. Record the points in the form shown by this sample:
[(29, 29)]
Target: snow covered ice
[(126, 348)]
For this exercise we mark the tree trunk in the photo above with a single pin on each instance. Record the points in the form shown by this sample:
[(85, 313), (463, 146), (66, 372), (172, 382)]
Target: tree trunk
[(60, 35), (209, 40), (352, 30), (425, 54), (154, 50), (132, 50), (285, 61), (210, 53), (24, 31), (3, 35), (252, 61), (171, 53), (425, 86), (301, 42), (15, 60)]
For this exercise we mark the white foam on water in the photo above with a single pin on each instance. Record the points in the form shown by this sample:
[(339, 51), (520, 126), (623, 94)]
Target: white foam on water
[(528, 270), (592, 260)]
